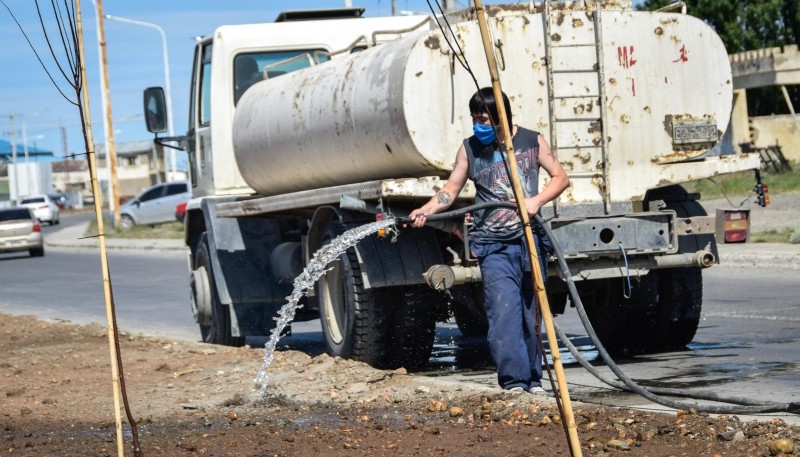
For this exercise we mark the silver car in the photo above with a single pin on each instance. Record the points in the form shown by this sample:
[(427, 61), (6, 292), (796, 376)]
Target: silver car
[(20, 231), (155, 205), (43, 207)]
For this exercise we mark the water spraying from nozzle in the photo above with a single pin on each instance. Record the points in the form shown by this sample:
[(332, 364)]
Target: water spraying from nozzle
[(313, 271)]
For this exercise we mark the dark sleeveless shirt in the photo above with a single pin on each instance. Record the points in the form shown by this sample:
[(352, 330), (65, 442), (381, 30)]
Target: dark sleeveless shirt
[(487, 170)]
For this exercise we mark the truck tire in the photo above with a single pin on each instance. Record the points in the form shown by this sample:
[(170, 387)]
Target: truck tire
[(354, 319), (646, 322), (627, 326), (683, 293), (218, 330), (682, 288), (469, 312), (601, 299), (413, 326)]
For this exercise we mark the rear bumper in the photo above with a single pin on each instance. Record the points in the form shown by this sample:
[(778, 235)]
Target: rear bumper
[(32, 241)]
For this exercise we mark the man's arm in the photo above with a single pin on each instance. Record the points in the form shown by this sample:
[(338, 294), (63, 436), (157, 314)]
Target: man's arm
[(445, 197), (558, 179)]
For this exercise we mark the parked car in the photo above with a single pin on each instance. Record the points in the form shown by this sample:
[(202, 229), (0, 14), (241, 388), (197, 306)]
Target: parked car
[(20, 231), (59, 199), (180, 211), (155, 205), (43, 207)]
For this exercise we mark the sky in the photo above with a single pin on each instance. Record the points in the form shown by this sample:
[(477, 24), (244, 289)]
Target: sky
[(135, 61)]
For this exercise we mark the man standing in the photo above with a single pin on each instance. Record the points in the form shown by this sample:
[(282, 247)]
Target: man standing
[(497, 237)]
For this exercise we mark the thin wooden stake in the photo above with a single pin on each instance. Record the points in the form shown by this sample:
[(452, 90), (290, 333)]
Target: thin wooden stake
[(98, 212), (519, 195)]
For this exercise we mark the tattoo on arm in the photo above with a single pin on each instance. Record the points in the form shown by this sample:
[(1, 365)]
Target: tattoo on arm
[(444, 198)]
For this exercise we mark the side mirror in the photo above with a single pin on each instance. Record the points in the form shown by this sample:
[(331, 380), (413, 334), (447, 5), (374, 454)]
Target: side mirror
[(155, 110)]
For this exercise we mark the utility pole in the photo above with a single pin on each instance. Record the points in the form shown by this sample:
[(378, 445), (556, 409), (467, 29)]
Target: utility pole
[(65, 157), (394, 7), (13, 139), (108, 127)]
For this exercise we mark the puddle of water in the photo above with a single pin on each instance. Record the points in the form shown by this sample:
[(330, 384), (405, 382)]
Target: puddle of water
[(723, 373)]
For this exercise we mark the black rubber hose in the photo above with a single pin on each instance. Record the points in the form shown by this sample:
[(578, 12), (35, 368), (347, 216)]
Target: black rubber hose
[(459, 212), (714, 409), (746, 406)]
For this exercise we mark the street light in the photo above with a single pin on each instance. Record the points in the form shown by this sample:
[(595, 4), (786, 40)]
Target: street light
[(167, 89)]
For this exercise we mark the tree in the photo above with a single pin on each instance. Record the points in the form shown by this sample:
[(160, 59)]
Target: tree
[(745, 25)]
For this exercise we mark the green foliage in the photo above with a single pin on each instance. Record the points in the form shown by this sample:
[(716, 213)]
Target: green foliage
[(776, 236), (740, 185)]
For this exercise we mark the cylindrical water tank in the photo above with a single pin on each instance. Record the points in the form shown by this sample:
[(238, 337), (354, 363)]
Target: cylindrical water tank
[(385, 112)]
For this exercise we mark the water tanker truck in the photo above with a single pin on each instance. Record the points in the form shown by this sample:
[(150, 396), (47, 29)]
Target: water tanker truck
[(325, 120)]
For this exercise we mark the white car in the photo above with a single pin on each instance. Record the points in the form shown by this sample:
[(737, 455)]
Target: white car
[(155, 205), (43, 207), (20, 231)]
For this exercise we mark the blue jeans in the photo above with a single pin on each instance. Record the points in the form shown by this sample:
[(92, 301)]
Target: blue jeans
[(511, 309)]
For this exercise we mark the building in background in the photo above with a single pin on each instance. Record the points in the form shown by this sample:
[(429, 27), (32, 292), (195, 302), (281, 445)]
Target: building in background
[(24, 170), (139, 166)]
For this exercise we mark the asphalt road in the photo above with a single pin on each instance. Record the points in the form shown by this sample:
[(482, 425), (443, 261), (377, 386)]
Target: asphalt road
[(747, 344)]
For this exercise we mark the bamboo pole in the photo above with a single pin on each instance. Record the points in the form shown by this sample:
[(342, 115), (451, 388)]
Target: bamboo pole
[(111, 148), (519, 195), (98, 212)]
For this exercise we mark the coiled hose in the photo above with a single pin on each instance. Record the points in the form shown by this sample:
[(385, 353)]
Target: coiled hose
[(744, 405)]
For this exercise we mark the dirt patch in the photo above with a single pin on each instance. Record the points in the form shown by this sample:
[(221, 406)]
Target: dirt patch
[(192, 399)]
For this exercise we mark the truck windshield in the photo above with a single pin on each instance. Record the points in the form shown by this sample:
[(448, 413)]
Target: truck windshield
[(251, 68)]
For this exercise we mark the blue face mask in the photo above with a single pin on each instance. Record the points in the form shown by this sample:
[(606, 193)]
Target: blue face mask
[(484, 133)]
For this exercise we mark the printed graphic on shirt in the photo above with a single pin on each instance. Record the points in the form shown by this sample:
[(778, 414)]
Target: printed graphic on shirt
[(488, 171)]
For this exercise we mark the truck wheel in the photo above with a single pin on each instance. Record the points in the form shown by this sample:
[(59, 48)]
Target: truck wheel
[(646, 321), (683, 295), (682, 288), (413, 326), (601, 298), (217, 329), (354, 320), (469, 312)]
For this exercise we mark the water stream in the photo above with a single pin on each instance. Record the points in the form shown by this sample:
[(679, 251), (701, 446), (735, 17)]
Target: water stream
[(313, 271)]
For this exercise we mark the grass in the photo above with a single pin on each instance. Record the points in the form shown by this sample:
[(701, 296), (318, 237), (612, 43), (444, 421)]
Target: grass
[(739, 185), (775, 236), (168, 231)]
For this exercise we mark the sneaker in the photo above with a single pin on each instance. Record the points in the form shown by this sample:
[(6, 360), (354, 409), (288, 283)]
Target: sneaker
[(516, 390), (538, 390)]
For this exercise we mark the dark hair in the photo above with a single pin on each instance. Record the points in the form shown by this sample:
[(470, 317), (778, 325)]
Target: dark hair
[(483, 101)]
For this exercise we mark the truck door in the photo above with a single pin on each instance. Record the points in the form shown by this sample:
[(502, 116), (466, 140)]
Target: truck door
[(199, 146)]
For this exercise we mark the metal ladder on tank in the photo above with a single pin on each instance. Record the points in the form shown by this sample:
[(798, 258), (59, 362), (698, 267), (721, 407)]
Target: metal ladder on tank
[(554, 26)]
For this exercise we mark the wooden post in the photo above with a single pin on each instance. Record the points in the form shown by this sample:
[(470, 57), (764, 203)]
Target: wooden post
[(519, 195), (100, 231)]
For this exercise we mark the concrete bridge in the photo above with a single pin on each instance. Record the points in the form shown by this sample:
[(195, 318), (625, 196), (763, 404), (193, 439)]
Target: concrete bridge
[(766, 67), (762, 68)]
